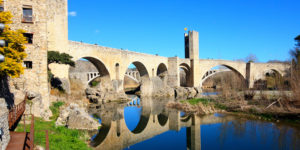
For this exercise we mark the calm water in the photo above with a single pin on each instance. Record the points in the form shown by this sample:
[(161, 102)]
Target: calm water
[(148, 125)]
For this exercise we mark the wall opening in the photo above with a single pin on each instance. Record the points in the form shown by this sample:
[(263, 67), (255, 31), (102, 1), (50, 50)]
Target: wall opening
[(224, 79), (185, 75), (136, 75), (88, 72), (162, 71), (272, 80), (117, 71)]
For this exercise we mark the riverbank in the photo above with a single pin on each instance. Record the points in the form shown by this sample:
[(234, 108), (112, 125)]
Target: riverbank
[(202, 106), (60, 137)]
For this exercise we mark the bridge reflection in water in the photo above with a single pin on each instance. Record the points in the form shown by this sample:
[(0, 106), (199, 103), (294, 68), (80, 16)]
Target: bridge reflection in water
[(154, 119)]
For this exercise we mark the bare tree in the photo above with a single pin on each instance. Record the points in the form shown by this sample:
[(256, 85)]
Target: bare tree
[(251, 58)]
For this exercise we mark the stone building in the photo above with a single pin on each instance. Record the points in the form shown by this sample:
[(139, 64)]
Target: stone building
[(46, 29)]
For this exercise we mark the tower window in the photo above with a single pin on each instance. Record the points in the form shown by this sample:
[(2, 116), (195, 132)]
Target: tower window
[(27, 14), (29, 37), (28, 64), (1, 7)]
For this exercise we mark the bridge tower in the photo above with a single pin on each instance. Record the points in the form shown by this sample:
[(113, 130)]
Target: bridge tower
[(191, 41)]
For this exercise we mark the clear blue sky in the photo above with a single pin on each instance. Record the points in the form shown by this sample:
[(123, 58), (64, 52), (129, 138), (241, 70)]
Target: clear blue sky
[(228, 29)]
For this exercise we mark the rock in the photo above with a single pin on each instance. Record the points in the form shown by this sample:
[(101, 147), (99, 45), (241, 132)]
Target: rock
[(199, 92), (91, 91), (36, 106), (75, 117), (160, 88), (31, 95), (191, 93), (97, 95), (181, 93)]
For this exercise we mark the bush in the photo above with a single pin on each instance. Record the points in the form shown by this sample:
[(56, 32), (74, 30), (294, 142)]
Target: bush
[(55, 109)]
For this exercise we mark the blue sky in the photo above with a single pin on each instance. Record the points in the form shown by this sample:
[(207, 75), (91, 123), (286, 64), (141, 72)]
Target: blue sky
[(228, 29)]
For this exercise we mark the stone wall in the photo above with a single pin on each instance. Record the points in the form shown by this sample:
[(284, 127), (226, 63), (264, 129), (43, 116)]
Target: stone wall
[(49, 27), (4, 124)]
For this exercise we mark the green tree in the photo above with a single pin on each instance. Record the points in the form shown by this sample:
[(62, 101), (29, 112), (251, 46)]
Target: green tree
[(14, 51), (60, 58)]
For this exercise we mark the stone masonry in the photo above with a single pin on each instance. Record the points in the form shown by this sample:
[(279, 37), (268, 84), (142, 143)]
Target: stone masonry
[(49, 27), (4, 125)]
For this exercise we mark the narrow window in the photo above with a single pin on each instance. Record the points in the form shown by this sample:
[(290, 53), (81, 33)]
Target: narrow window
[(117, 71), (1, 6), (28, 64), (29, 37), (27, 14)]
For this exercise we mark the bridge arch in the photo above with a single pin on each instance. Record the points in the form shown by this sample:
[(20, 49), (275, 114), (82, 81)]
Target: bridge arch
[(143, 85), (270, 79), (240, 75), (185, 75), (162, 119), (162, 71), (143, 72), (99, 69)]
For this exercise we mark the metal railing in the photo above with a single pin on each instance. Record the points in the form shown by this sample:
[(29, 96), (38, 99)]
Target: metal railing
[(29, 142), (16, 113)]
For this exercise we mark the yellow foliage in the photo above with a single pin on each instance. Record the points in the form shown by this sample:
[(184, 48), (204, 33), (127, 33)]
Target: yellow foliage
[(14, 51)]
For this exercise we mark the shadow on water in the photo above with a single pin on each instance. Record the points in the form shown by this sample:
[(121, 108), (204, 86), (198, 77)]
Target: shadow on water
[(150, 125)]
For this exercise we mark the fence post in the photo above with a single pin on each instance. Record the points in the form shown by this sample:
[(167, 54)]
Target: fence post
[(24, 123), (47, 140), (32, 133)]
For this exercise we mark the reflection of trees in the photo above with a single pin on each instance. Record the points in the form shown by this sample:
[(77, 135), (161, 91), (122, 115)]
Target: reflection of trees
[(282, 135), (238, 127)]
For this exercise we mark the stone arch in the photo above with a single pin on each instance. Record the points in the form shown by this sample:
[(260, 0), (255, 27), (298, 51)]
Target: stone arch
[(101, 67), (144, 79), (261, 81), (185, 78), (144, 74), (238, 73), (144, 119), (102, 133), (162, 71), (162, 119), (86, 77)]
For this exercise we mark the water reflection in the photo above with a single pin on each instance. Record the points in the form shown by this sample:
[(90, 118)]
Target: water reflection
[(149, 125)]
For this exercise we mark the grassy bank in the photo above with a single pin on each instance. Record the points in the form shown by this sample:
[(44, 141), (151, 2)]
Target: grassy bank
[(205, 102), (257, 112), (59, 137)]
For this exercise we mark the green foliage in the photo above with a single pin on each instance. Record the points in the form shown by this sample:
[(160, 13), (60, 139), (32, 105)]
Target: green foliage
[(94, 83), (14, 51), (59, 137), (205, 102), (50, 75), (198, 100), (60, 58), (220, 106), (55, 109)]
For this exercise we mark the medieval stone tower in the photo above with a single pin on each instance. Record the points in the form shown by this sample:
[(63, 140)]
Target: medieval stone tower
[(191, 41), (46, 26)]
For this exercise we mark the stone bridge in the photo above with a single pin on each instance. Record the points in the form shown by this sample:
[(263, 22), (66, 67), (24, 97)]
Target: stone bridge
[(112, 65), (155, 119)]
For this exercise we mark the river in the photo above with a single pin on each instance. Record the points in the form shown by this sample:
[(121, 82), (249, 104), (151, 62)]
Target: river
[(147, 124)]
